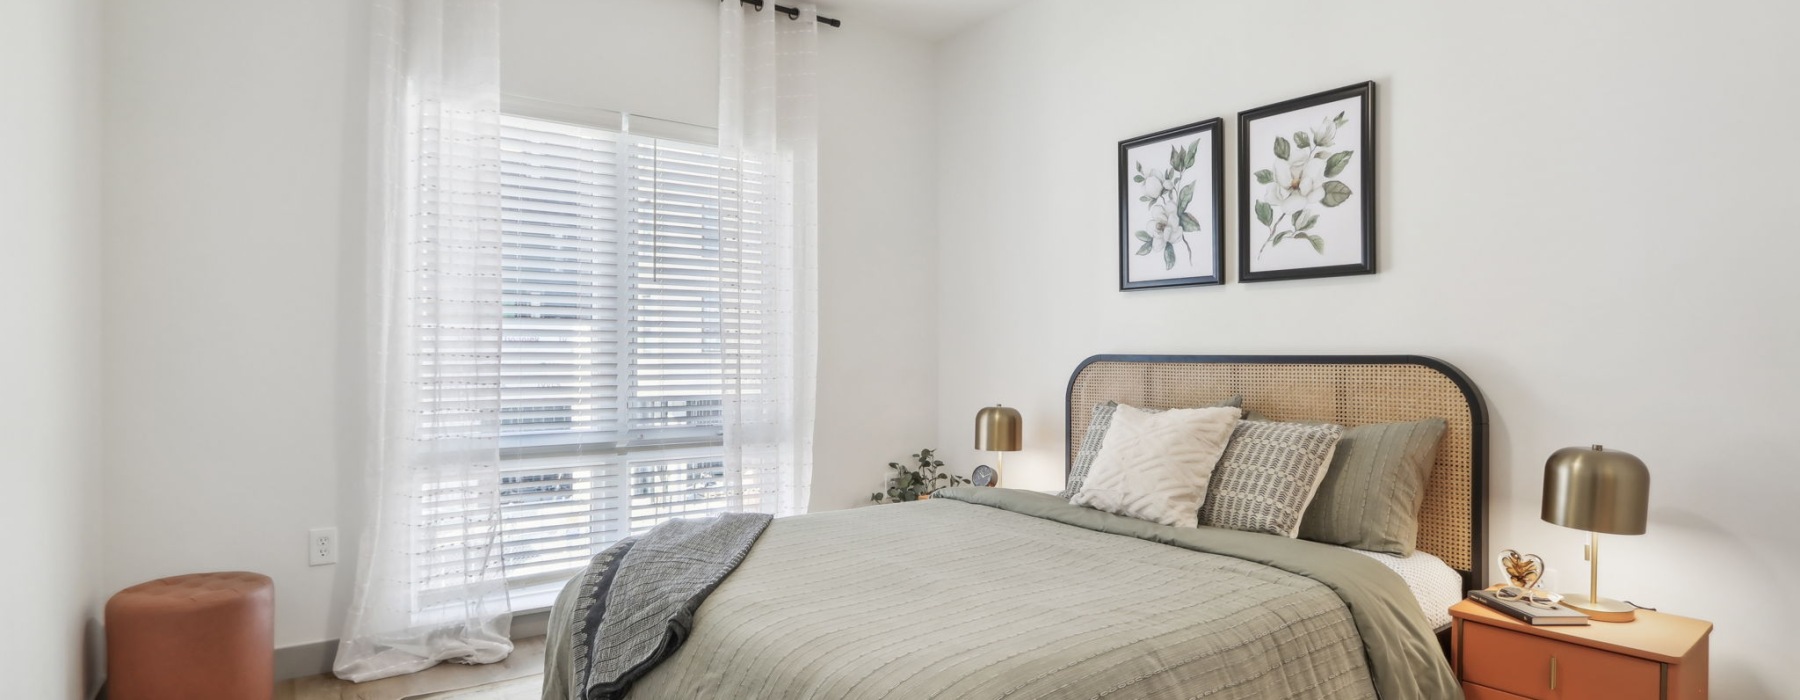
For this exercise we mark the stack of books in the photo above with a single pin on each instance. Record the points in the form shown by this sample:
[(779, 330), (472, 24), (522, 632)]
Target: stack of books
[(1530, 614)]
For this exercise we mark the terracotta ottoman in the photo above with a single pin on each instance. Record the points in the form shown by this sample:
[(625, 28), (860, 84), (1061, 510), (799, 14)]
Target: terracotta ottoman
[(193, 637)]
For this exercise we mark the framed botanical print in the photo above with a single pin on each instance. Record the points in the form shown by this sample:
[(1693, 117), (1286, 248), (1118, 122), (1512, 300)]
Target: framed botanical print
[(1171, 208), (1306, 187)]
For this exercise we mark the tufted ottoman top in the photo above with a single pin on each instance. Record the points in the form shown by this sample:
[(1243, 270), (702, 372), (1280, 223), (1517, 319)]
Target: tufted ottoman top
[(194, 637), (193, 591)]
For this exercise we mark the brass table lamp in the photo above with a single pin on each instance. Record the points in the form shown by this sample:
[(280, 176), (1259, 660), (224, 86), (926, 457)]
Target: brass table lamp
[(1598, 490), (1000, 430)]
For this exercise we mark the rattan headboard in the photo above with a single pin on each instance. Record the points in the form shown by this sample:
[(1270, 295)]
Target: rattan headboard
[(1349, 390)]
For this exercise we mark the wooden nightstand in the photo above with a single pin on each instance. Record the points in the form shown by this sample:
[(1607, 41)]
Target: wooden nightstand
[(1657, 656)]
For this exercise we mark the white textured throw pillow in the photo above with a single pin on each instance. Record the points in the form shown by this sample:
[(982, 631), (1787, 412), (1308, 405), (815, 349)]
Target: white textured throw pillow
[(1156, 466)]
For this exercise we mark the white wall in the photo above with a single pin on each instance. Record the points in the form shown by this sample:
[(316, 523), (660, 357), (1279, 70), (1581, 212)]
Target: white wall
[(234, 262), (50, 386), (233, 177), (1583, 206)]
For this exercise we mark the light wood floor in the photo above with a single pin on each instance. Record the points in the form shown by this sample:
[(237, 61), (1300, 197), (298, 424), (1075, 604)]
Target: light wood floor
[(527, 659)]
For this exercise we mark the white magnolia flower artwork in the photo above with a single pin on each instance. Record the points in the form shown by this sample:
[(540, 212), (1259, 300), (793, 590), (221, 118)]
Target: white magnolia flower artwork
[(1301, 184), (1169, 198), (1306, 168), (1169, 201)]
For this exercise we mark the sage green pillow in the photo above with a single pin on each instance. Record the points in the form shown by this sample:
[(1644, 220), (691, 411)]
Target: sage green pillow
[(1371, 495), (1096, 436)]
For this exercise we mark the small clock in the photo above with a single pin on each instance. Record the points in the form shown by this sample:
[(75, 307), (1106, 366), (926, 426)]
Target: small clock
[(984, 475)]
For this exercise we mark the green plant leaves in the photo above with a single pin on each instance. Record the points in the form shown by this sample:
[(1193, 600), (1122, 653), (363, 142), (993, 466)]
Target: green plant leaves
[(1302, 140), (1264, 177), (1337, 162), (1339, 119), (1189, 224), (1307, 222), (1317, 243), (1281, 148), (1181, 158), (1335, 193), (1186, 198), (1265, 213), (1142, 236), (1145, 248), (1279, 237), (1168, 257), (1137, 178)]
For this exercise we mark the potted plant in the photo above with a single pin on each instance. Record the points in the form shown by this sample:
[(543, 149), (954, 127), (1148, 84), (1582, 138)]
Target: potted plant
[(909, 484)]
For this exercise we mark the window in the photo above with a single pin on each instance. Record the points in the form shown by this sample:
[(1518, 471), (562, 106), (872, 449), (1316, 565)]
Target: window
[(623, 293)]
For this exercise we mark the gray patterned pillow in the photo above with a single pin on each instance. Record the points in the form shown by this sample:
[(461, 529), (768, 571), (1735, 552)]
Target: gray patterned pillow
[(1371, 496), (1269, 473), (1096, 435)]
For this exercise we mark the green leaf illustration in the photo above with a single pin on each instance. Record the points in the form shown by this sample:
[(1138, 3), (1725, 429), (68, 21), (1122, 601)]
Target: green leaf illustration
[(1337, 162), (1189, 224), (1318, 244), (1339, 119), (1145, 237), (1279, 237), (1168, 256), (1145, 248), (1335, 193), (1302, 140), (1186, 198), (1137, 178), (1193, 152), (1308, 222), (1175, 158), (1264, 212), (1264, 177), (1143, 198), (1281, 147)]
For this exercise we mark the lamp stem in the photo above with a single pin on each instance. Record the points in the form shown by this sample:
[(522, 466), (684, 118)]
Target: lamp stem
[(999, 466), (1594, 567)]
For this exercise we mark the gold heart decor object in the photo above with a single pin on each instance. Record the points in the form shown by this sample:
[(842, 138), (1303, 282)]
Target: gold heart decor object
[(1522, 570)]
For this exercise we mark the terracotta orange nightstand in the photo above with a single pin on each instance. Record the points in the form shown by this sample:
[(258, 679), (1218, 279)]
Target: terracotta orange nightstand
[(1657, 656)]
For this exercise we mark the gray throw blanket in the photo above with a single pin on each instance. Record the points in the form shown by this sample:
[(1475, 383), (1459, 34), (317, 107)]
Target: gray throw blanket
[(637, 599)]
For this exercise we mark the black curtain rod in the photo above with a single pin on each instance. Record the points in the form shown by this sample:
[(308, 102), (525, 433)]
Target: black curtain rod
[(792, 12)]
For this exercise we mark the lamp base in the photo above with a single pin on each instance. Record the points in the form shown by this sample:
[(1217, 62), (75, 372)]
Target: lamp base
[(1602, 609)]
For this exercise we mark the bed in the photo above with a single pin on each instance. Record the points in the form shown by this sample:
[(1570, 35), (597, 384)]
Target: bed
[(999, 593)]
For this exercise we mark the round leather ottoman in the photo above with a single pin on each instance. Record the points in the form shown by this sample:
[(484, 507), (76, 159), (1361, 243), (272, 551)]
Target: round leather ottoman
[(193, 637)]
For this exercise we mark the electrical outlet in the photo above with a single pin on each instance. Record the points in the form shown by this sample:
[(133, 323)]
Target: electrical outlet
[(321, 546)]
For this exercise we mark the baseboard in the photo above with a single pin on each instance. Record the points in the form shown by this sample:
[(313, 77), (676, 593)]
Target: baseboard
[(302, 660)]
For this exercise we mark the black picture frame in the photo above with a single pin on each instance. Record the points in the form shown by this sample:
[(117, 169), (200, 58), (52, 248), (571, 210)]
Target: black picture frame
[(1213, 221), (1251, 186)]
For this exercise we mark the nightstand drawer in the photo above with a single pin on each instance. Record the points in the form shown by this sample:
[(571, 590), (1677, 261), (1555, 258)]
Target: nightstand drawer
[(1482, 692), (1536, 667)]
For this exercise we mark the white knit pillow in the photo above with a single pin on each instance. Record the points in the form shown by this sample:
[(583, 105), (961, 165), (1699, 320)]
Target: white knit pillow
[(1155, 466)]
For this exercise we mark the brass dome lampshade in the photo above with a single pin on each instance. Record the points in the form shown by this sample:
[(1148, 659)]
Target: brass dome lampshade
[(1600, 491), (1000, 430)]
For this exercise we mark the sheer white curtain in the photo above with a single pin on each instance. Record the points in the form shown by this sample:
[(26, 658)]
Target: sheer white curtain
[(430, 586), (768, 142)]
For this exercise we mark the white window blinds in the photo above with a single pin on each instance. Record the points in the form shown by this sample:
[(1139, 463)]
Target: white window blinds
[(622, 294)]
